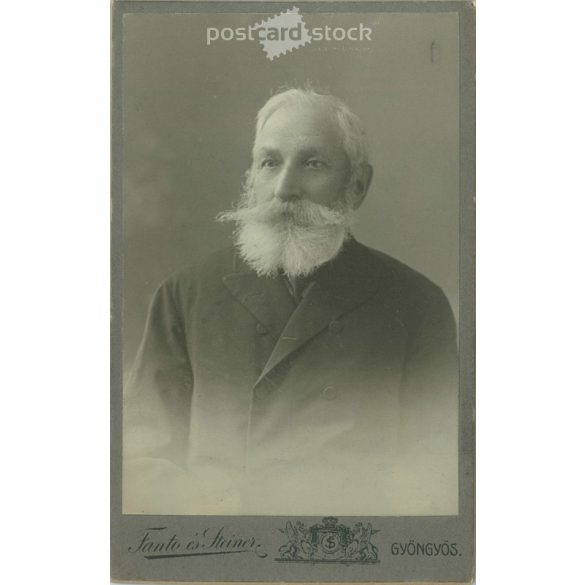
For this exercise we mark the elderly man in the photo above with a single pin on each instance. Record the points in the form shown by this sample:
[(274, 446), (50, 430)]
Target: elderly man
[(298, 372)]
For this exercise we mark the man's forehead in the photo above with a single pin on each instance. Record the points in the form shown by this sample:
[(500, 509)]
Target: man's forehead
[(303, 125)]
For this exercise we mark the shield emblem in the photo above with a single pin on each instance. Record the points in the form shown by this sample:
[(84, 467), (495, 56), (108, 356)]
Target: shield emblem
[(329, 541)]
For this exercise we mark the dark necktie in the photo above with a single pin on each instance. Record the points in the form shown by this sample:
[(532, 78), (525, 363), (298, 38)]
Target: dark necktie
[(297, 286)]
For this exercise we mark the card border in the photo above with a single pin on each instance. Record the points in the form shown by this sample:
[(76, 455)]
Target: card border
[(465, 522)]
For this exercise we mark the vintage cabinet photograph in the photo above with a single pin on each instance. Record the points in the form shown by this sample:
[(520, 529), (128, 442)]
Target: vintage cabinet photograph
[(293, 291)]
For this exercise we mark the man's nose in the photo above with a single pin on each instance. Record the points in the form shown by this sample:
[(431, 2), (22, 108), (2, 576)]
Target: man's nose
[(288, 184)]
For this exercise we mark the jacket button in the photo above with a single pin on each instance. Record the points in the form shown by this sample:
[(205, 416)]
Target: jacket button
[(329, 393), (335, 327), (260, 329)]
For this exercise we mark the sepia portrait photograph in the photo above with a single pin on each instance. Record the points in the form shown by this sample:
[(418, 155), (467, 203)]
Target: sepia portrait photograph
[(289, 260), (243, 236)]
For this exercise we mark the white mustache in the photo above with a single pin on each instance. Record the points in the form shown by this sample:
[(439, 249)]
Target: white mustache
[(299, 213)]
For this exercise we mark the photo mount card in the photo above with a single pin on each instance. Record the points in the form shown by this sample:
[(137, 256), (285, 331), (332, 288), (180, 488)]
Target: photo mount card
[(293, 277)]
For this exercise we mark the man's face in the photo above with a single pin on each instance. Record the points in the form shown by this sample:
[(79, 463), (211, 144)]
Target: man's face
[(293, 215), (298, 155)]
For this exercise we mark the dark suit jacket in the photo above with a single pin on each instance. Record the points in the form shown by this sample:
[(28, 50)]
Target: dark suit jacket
[(361, 375)]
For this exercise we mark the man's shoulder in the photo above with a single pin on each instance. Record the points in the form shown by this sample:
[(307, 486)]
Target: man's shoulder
[(218, 262), (404, 287), (395, 273), (207, 271)]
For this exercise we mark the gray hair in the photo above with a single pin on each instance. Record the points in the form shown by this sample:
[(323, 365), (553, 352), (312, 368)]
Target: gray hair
[(350, 127)]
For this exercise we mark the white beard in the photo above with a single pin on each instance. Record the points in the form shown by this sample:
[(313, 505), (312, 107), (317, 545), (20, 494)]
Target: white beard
[(294, 237)]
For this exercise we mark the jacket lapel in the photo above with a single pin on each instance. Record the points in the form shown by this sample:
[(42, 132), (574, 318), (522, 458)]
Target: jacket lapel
[(339, 287), (266, 298)]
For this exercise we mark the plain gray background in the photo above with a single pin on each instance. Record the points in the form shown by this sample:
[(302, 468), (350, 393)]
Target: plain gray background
[(189, 113)]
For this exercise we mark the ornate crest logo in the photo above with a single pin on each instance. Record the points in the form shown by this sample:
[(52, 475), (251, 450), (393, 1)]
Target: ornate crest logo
[(328, 542)]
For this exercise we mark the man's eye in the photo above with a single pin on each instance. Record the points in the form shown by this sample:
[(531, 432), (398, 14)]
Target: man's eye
[(315, 163), (268, 163)]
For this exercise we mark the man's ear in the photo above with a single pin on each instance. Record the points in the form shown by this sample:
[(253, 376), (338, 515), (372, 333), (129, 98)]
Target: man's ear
[(362, 185)]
